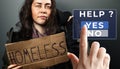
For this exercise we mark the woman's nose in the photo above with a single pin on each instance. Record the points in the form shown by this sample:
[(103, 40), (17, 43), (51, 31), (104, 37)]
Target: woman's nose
[(43, 9)]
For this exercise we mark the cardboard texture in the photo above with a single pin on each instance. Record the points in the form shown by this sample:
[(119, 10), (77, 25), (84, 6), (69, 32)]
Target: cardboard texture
[(39, 52)]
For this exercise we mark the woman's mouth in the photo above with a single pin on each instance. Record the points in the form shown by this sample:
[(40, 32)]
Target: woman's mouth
[(42, 17)]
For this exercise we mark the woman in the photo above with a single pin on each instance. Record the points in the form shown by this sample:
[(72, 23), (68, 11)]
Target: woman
[(39, 18)]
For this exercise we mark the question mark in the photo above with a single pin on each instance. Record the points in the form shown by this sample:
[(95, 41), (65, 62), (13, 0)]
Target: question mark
[(111, 13)]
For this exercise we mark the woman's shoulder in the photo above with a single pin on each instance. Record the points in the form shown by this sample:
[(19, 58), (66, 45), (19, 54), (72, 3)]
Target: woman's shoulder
[(62, 16), (15, 29)]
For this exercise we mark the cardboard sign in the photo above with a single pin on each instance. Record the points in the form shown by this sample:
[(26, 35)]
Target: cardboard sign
[(38, 53), (101, 23)]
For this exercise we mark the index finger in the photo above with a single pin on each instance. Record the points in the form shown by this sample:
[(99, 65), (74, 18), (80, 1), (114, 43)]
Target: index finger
[(83, 43)]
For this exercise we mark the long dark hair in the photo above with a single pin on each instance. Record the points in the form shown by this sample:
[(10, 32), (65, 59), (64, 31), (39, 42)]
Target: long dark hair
[(26, 19)]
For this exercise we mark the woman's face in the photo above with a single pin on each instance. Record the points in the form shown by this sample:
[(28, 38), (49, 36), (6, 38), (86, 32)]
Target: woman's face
[(41, 10)]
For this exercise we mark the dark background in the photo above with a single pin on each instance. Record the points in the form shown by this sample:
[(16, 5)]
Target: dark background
[(9, 10)]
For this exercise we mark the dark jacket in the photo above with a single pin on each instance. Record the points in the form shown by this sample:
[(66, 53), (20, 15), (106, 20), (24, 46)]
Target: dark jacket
[(65, 26)]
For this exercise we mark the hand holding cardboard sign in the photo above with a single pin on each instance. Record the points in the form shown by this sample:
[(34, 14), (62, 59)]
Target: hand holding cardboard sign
[(97, 58), (15, 66)]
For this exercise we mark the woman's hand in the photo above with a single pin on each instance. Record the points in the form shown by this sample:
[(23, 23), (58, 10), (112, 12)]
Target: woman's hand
[(14, 66), (96, 59)]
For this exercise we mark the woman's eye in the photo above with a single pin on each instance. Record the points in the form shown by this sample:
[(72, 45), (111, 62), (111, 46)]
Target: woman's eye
[(38, 6), (48, 7)]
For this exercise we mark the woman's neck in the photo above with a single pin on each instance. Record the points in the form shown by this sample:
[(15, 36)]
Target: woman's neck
[(39, 28)]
